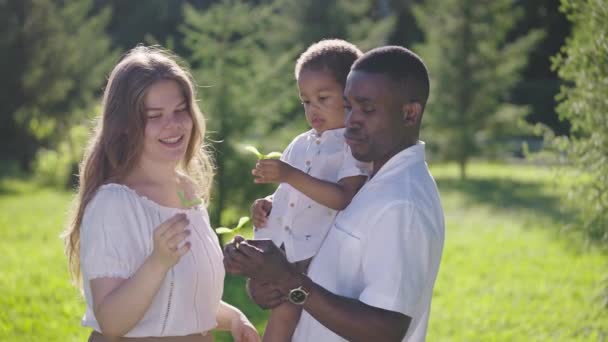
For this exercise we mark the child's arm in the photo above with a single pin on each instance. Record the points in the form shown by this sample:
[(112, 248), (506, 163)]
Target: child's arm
[(332, 195), (232, 319), (260, 209)]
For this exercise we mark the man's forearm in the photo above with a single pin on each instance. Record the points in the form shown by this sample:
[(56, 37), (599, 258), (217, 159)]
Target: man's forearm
[(351, 318)]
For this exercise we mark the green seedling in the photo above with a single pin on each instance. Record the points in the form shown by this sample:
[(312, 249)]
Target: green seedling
[(271, 155), (224, 230), (186, 203)]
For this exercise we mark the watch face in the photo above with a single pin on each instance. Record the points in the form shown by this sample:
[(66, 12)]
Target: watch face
[(297, 296)]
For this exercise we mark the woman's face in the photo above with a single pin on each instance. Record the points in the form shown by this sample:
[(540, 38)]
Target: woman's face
[(168, 123)]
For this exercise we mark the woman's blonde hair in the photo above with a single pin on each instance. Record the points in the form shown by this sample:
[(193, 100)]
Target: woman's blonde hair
[(117, 141)]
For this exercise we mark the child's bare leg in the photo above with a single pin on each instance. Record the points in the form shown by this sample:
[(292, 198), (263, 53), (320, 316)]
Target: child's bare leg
[(284, 318), (282, 323)]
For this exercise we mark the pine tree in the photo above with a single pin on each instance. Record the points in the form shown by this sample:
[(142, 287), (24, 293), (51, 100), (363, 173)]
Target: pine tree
[(583, 65), (366, 23), (56, 55), (231, 61), (246, 54), (473, 66)]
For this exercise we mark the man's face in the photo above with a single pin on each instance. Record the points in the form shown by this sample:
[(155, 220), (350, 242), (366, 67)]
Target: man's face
[(374, 118)]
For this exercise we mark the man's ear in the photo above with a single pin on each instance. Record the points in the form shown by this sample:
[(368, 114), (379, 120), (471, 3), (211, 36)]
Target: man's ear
[(412, 111)]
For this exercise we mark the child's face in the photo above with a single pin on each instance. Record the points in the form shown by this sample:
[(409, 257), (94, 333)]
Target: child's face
[(322, 98), (168, 123)]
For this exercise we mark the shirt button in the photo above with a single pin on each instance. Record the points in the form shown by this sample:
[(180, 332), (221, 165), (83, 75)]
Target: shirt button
[(292, 205), (308, 162), (318, 141), (286, 228)]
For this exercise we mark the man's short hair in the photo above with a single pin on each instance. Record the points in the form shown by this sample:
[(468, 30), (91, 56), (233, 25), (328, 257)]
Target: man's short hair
[(402, 66), (333, 55)]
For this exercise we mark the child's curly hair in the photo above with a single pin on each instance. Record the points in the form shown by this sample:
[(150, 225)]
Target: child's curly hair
[(334, 55)]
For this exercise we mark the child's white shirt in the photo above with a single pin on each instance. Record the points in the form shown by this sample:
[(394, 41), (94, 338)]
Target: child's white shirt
[(296, 221)]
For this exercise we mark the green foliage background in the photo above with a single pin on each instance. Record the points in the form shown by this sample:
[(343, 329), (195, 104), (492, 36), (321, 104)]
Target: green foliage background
[(490, 65)]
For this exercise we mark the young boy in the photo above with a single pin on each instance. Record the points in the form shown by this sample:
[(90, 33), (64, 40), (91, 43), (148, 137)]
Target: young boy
[(317, 173)]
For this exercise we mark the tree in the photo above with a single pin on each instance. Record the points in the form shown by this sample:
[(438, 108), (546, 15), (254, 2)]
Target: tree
[(244, 55), (366, 23), (583, 65), (55, 57), (472, 69), (231, 60)]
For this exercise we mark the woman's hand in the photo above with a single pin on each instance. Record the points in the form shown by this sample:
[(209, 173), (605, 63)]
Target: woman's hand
[(243, 331), (167, 238)]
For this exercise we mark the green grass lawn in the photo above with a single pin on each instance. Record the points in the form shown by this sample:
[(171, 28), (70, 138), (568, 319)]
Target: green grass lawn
[(511, 270)]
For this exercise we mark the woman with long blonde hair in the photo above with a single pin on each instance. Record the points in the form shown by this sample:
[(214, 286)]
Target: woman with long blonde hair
[(144, 253)]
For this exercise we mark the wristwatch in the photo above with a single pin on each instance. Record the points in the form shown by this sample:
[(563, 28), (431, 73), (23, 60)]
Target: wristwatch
[(297, 296)]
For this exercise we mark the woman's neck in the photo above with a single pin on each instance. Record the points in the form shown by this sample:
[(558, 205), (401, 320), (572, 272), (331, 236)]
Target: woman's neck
[(153, 173)]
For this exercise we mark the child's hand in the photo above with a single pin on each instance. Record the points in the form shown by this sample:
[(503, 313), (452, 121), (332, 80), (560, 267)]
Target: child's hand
[(167, 238), (271, 171), (243, 331), (259, 212)]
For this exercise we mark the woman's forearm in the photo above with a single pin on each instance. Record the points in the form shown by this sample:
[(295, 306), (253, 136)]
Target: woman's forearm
[(226, 315), (121, 309)]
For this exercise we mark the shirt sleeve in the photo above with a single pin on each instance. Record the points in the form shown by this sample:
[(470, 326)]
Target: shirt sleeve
[(397, 260), (108, 243), (351, 166), (286, 155)]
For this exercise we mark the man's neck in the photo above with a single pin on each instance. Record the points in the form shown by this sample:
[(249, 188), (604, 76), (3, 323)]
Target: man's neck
[(379, 163)]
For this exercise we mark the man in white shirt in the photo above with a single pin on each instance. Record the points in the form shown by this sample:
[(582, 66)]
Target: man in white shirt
[(373, 278)]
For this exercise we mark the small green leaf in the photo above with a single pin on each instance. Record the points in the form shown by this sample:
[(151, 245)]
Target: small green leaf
[(186, 203), (223, 230), (242, 221), (194, 202), (255, 151), (182, 197), (273, 155)]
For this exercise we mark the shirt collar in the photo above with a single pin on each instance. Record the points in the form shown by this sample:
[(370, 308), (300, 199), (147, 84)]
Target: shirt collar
[(328, 134), (402, 160)]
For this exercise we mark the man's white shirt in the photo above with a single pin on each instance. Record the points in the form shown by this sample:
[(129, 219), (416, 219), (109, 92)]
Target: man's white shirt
[(384, 249), (297, 221)]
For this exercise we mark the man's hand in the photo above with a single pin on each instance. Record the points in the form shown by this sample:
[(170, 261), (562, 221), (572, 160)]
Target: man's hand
[(265, 263), (265, 295), (259, 212), (272, 171)]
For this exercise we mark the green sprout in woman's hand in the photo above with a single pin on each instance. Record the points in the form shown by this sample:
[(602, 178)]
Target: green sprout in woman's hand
[(223, 230), (186, 203), (271, 155)]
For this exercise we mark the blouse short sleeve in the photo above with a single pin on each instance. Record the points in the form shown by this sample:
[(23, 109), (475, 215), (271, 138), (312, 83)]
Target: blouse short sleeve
[(109, 242)]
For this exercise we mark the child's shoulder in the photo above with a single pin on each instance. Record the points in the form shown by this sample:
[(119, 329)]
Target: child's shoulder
[(299, 140), (303, 136)]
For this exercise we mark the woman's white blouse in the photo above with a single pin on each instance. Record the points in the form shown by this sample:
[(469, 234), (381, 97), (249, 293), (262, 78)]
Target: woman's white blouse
[(117, 237), (296, 221)]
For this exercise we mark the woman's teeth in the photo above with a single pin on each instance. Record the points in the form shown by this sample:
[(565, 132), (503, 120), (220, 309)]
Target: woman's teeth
[(171, 140)]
